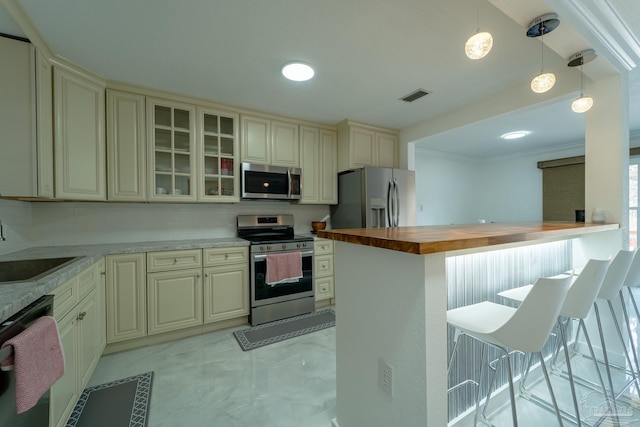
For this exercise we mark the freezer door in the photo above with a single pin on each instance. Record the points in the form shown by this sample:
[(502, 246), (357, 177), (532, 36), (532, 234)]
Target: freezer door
[(349, 212), (378, 193), (405, 185)]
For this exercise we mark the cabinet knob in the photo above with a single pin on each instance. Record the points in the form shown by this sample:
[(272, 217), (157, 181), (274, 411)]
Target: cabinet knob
[(206, 275), (81, 315), (175, 261), (104, 273), (226, 256)]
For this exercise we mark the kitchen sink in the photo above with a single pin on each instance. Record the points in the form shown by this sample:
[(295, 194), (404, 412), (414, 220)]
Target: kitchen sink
[(31, 269)]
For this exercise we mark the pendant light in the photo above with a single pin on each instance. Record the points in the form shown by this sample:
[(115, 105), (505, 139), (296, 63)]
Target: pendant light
[(583, 103), (540, 26), (479, 44)]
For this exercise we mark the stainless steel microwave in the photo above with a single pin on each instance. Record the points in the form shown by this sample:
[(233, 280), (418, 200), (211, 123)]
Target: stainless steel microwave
[(271, 182)]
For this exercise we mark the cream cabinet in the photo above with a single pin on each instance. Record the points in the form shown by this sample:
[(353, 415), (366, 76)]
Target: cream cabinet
[(174, 290), (362, 145), (218, 153), (171, 141), (126, 142), (126, 297), (323, 272), (226, 283), (269, 142), (319, 162), (26, 120), (79, 154), (76, 308)]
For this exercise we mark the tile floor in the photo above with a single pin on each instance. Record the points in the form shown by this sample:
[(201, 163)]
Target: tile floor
[(208, 380)]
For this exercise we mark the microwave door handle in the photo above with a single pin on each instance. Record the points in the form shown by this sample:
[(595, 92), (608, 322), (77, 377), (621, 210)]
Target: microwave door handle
[(290, 183)]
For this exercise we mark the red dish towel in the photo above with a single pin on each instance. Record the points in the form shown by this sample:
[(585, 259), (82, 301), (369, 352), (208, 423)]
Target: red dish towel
[(284, 268), (37, 359)]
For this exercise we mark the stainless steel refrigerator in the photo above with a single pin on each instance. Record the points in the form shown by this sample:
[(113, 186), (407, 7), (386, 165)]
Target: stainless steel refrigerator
[(375, 197)]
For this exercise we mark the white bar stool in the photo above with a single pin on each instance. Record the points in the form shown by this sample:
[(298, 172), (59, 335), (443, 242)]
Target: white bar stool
[(577, 305), (611, 288), (524, 329)]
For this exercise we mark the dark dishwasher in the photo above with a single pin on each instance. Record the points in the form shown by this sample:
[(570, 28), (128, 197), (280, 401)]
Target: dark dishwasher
[(38, 416)]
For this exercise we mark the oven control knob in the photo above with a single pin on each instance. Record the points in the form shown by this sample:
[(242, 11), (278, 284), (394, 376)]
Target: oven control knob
[(268, 248), (261, 248), (284, 246)]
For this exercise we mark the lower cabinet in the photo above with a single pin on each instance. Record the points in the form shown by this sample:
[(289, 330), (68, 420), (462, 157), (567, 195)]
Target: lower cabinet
[(226, 283), (126, 297), (76, 308), (152, 293), (174, 300), (323, 278)]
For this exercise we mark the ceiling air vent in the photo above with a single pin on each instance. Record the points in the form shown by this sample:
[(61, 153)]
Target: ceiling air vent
[(416, 94)]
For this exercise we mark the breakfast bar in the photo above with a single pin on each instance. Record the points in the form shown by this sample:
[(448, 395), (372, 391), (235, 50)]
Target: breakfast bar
[(394, 286)]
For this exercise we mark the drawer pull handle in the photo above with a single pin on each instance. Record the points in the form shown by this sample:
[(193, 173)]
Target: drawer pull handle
[(226, 256), (81, 315), (175, 261)]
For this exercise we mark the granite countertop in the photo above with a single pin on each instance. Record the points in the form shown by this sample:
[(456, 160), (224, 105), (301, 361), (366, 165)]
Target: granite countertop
[(431, 239), (16, 295)]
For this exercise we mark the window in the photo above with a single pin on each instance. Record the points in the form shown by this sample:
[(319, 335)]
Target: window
[(633, 202)]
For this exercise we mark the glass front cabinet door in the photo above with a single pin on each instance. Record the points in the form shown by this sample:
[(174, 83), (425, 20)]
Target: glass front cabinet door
[(219, 161), (172, 150)]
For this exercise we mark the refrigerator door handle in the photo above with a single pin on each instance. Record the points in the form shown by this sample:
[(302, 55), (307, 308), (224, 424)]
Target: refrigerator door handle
[(397, 203), (390, 204)]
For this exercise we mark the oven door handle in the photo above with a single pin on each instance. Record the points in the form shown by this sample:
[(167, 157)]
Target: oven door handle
[(264, 256)]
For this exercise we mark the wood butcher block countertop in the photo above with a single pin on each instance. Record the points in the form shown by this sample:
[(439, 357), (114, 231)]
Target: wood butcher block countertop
[(431, 239)]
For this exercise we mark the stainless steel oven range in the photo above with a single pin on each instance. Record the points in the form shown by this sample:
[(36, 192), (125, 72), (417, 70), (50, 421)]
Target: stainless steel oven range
[(271, 235)]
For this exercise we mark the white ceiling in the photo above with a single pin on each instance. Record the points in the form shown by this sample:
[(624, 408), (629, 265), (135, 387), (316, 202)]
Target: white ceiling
[(367, 54)]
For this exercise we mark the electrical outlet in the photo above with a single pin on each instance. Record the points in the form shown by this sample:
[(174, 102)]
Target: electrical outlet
[(385, 377)]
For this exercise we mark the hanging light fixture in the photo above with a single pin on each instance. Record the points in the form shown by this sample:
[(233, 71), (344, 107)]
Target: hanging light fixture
[(583, 103), (540, 26), (479, 44)]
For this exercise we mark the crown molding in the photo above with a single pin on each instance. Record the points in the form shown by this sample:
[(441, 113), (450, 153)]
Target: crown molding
[(17, 13), (600, 23)]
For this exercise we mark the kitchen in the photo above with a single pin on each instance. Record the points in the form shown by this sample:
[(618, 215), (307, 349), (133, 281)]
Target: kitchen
[(54, 223)]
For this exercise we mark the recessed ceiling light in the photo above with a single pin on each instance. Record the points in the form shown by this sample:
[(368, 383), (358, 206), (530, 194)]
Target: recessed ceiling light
[(515, 135), (297, 71)]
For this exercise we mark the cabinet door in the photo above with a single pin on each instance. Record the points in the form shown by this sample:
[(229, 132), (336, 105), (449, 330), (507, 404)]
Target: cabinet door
[(126, 297), (63, 393), (88, 340), (284, 144), (362, 147), (101, 327), (256, 140), (324, 288), (126, 146), (79, 137), (328, 178), (387, 150), (174, 300), (226, 292), (218, 156), (172, 151), (311, 163), (17, 174), (44, 125)]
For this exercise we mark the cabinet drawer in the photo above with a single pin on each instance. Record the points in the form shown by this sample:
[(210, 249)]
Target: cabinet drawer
[(323, 265), (225, 256), (87, 280), (323, 246), (65, 297), (174, 260), (324, 288)]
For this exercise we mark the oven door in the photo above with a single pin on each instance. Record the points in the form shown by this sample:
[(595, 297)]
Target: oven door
[(263, 294)]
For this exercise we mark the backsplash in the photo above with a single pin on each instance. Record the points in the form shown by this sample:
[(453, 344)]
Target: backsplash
[(56, 224)]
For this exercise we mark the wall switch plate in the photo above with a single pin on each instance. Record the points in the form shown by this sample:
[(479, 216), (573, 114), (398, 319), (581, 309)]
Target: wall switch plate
[(385, 377)]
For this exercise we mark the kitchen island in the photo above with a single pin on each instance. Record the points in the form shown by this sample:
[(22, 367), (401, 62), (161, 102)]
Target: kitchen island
[(392, 294)]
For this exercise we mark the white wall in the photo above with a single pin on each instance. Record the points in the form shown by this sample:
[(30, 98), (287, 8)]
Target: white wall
[(457, 190), (54, 224)]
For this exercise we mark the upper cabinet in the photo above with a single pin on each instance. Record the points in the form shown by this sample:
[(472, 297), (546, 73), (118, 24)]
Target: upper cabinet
[(318, 159), (218, 150), (126, 146), (26, 113), (269, 142), (171, 132), (79, 136), (362, 145)]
